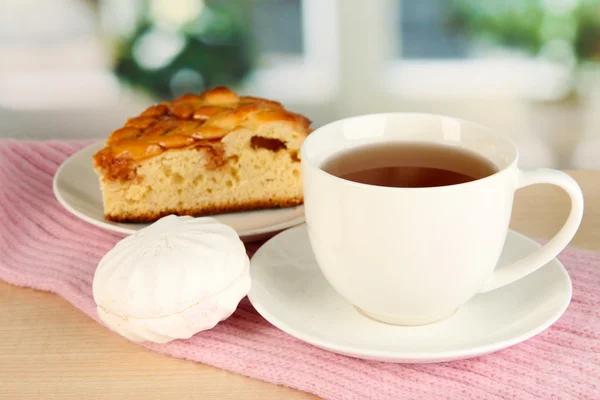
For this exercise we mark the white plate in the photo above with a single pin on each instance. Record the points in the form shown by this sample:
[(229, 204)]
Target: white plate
[(76, 187), (289, 291)]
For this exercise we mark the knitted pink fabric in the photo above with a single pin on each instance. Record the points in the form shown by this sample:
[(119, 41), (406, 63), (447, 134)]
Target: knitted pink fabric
[(44, 247)]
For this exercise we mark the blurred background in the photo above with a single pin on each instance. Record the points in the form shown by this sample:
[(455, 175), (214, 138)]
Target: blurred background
[(75, 69)]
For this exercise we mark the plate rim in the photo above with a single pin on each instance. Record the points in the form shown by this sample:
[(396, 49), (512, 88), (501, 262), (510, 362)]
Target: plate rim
[(414, 356), (130, 231)]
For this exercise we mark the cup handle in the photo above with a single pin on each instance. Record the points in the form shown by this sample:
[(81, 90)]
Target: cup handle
[(525, 266)]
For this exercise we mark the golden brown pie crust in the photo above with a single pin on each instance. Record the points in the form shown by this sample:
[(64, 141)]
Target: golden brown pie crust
[(190, 121)]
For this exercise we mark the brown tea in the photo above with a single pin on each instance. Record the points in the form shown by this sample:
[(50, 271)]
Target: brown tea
[(409, 165)]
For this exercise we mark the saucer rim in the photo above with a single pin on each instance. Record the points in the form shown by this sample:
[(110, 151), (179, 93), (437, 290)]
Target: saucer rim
[(415, 356), (247, 235)]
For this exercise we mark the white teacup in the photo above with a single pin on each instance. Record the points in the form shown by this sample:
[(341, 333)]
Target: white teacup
[(411, 256)]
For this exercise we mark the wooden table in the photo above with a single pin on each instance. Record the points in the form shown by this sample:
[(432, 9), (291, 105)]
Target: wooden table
[(50, 350)]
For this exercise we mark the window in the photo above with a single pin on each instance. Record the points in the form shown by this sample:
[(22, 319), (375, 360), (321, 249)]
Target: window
[(277, 27), (423, 31), (297, 43), (435, 57)]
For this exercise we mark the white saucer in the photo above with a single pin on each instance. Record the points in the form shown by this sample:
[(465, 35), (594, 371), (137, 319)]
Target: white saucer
[(77, 189), (290, 292)]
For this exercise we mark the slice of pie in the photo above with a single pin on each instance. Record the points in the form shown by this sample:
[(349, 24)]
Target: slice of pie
[(202, 154)]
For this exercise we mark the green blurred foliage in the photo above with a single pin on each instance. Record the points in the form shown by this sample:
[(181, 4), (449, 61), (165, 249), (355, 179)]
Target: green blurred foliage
[(217, 48), (529, 25)]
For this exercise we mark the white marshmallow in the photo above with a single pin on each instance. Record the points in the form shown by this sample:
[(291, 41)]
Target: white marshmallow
[(177, 277)]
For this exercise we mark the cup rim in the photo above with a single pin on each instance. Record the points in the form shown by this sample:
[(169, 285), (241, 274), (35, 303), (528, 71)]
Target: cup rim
[(318, 168)]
